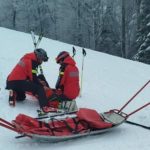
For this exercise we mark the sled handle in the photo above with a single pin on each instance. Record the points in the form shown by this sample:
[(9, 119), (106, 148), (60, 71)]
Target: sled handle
[(6, 122), (138, 109), (134, 95), (7, 125), (124, 115)]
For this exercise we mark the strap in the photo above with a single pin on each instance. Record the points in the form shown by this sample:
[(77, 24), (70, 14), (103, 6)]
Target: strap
[(76, 122), (40, 124), (68, 126), (61, 74), (44, 124)]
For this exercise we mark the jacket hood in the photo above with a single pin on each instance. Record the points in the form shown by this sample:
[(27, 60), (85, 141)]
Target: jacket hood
[(31, 56), (69, 60)]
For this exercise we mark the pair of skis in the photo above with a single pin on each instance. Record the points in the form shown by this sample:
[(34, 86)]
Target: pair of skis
[(36, 43), (82, 69)]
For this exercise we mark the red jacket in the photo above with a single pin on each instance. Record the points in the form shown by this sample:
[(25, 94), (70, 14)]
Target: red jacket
[(68, 80), (25, 69)]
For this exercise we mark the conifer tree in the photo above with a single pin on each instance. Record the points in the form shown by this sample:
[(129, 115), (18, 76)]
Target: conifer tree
[(143, 40)]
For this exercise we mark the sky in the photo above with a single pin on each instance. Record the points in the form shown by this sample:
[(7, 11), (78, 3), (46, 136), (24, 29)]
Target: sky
[(108, 83)]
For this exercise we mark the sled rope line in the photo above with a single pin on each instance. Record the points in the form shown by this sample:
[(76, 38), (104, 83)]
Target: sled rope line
[(137, 124)]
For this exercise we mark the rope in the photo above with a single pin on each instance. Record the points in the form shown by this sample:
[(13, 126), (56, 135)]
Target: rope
[(137, 124)]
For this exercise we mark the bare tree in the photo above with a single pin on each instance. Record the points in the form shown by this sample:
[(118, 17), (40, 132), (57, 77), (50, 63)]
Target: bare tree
[(123, 40)]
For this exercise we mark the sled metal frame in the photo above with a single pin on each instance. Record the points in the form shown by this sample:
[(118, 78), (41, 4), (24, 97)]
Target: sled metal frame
[(113, 116), (110, 116)]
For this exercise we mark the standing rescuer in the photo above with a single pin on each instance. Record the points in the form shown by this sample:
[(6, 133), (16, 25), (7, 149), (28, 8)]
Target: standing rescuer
[(23, 78)]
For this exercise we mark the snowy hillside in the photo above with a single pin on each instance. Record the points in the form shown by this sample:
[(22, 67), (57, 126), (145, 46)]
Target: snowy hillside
[(108, 83)]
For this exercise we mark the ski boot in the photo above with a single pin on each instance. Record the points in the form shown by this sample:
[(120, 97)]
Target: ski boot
[(12, 98)]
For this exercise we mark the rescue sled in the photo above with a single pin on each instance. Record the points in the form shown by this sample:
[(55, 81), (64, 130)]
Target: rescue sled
[(82, 123)]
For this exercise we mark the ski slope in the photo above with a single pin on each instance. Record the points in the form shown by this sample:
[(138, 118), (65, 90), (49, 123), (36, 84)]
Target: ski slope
[(108, 82)]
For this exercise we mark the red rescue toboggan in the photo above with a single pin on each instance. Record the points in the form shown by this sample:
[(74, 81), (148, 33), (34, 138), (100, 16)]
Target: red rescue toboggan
[(72, 125)]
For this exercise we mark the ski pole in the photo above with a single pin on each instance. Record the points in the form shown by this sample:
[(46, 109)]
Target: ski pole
[(73, 51), (134, 95), (84, 54)]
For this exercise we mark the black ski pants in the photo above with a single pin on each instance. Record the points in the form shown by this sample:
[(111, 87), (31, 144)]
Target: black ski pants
[(22, 86)]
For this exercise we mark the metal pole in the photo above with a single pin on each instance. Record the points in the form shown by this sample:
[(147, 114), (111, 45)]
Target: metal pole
[(134, 95)]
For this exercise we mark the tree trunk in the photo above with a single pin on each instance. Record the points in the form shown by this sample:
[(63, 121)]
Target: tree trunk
[(138, 2), (79, 34), (14, 19), (123, 41)]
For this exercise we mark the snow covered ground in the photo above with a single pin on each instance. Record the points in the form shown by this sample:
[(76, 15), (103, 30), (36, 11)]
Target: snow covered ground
[(108, 82)]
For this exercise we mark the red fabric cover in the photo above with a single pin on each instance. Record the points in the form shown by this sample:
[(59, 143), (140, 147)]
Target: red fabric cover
[(70, 79), (93, 118), (22, 70), (26, 124), (27, 121)]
